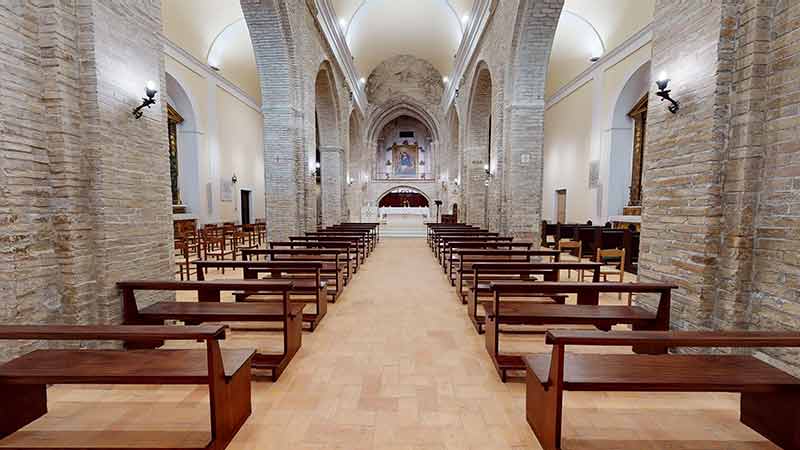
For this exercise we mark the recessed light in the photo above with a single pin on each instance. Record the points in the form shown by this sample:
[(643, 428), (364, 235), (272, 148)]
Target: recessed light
[(342, 23), (465, 18)]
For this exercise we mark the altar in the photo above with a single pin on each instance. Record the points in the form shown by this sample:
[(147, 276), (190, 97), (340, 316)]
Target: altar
[(391, 212)]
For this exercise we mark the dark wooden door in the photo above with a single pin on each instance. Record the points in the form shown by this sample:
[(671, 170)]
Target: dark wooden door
[(245, 207)]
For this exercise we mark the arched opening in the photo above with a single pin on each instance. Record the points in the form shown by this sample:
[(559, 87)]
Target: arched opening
[(451, 179), (329, 154), (479, 150), (184, 149), (404, 149), (356, 168), (403, 200), (626, 143)]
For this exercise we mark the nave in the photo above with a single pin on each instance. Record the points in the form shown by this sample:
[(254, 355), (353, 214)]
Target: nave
[(396, 364)]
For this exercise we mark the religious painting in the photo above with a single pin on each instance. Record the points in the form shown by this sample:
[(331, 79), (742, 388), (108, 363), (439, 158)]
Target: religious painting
[(405, 157), (594, 174)]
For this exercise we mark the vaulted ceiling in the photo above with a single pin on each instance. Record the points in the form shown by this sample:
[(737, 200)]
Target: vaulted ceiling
[(377, 30), (214, 32)]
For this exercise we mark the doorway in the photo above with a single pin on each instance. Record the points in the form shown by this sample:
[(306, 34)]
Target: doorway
[(561, 205), (245, 206)]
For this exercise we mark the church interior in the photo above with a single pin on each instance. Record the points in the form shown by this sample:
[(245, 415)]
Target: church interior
[(400, 225)]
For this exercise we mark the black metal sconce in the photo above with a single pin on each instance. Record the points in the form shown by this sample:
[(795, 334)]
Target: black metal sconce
[(151, 91), (663, 92), (234, 180)]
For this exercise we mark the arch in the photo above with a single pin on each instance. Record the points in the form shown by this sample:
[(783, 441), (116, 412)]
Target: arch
[(401, 106), (325, 100), (479, 153), (188, 147), (274, 47), (402, 186), (620, 151), (480, 109)]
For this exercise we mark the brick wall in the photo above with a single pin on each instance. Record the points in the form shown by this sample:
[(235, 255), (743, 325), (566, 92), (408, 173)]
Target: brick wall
[(85, 198)]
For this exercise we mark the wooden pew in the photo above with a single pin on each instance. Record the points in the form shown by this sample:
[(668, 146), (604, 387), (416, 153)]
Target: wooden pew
[(439, 228), (484, 274), (306, 277), (439, 238), (360, 249), (447, 258), (587, 311), (364, 238), (348, 252), (24, 380), (335, 270), (209, 308), (374, 228), (370, 230), (769, 396), (462, 277)]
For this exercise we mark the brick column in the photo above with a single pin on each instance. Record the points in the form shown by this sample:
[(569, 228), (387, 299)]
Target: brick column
[(332, 167)]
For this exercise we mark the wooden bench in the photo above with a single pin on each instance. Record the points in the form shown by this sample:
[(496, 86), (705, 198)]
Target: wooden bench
[(435, 229), (445, 252), (364, 238), (358, 246), (587, 311), (209, 308), (24, 380), (484, 274), (306, 277), (461, 273), (373, 228), (770, 397), (335, 269), (439, 238), (347, 249)]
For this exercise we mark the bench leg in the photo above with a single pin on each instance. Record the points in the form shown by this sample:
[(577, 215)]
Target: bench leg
[(774, 415), (22, 404), (543, 411), (492, 344), (472, 308), (234, 408)]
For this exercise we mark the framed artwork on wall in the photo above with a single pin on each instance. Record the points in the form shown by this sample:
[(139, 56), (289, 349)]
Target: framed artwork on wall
[(226, 191), (594, 174)]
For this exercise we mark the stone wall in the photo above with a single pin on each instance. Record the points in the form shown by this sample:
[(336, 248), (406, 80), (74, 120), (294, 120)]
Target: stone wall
[(720, 212), (86, 197)]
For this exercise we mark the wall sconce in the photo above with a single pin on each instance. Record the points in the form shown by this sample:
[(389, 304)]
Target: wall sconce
[(663, 92), (486, 169), (150, 91), (457, 181), (388, 163), (349, 180), (234, 180)]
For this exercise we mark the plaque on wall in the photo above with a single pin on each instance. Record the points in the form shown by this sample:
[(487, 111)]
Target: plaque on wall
[(226, 191), (594, 174)]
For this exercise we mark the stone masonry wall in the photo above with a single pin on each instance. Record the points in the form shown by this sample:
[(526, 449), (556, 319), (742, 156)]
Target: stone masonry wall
[(85, 199)]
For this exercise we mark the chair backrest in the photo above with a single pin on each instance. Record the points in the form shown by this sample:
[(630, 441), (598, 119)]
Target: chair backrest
[(571, 245), (612, 255)]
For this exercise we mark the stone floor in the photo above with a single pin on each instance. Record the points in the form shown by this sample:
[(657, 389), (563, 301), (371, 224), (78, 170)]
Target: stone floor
[(396, 365)]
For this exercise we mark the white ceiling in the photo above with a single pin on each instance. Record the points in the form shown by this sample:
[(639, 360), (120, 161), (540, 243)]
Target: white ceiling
[(586, 28), (377, 30), (214, 32)]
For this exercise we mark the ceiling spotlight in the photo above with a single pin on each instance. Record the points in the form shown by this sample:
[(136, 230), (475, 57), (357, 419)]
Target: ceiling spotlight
[(465, 18), (362, 80), (342, 23), (445, 79)]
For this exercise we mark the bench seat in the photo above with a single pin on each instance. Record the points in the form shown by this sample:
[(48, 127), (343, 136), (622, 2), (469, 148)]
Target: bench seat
[(533, 313), (215, 312), (119, 367), (675, 373)]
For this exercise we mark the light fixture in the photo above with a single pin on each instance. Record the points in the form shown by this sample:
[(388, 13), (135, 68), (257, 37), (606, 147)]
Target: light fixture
[(388, 163), (465, 18), (342, 23), (486, 169), (234, 180), (663, 92), (362, 80), (457, 181), (349, 180), (150, 91), (445, 79)]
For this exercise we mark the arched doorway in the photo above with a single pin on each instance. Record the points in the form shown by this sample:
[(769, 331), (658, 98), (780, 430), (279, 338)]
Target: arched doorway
[(329, 152), (626, 142), (404, 211), (184, 149)]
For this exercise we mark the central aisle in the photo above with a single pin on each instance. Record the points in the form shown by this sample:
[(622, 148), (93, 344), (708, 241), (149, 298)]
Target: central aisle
[(396, 365)]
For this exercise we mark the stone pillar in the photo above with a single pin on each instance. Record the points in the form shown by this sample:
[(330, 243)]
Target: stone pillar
[(524, 171), (332, 168), (86, 196)]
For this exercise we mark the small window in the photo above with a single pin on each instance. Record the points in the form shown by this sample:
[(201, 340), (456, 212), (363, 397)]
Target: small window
[(406, 134)]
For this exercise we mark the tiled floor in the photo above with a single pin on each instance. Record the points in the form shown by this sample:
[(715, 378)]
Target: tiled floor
[(396, 364)]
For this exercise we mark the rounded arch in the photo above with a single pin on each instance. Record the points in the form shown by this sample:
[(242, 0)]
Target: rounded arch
[(401, 106), (621, 135), (188, 146), (405, 188), (327, 106), (479, 115)]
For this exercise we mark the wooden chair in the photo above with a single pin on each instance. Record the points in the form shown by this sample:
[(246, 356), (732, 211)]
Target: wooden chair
[(24, 380), (574, 248), (769, 396), (215, 244), (613, 261)]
